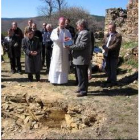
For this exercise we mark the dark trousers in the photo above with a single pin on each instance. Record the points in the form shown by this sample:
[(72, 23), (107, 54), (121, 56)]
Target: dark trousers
[(15, 62), (30, 76), (76, 78), (111, 68), (48, 55), (82, 74), (2, 59)]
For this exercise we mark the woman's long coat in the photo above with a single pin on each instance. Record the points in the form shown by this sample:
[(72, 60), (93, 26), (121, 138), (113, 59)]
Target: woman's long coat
[(32, 63)]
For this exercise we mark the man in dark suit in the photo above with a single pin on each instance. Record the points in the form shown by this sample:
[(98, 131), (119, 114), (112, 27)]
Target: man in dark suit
[(111, 45), (13, 48), (81, 57)]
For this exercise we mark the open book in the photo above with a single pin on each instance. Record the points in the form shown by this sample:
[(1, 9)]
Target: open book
[(68, 43)]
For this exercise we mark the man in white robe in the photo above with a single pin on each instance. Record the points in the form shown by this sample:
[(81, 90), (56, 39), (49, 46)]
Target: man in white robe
[(59, 67)]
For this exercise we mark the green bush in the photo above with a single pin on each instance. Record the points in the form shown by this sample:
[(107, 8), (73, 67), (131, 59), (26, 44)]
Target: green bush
[(133, 62), (128, 45)]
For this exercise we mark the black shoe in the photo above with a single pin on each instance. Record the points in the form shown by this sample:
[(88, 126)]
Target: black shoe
[(19, 71), (113, 84), (81, 95), (76, 83), (13, 71), (37, 80), (47, 71), (77, 91), (30, 80), (107, 82)]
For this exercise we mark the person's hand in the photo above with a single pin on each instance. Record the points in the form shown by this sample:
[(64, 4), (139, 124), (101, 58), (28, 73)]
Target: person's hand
[(34, 53), (67, 47), (67, 38), (31, 52), (106, 49)]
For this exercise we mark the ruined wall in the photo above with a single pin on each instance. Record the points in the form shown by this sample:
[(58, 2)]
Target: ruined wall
[(126, 20)]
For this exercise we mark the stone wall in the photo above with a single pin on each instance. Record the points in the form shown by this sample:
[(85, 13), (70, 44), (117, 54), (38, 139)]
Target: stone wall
[(126, 20)]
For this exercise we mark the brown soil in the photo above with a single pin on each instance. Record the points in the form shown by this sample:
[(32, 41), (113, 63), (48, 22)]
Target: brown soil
[(40, 110)]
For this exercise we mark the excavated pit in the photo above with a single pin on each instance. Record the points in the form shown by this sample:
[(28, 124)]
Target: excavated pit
[(30, 112), (54, 118)]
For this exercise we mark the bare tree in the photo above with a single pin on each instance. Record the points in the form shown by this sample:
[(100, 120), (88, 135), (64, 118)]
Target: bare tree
[(48, 9), (51, 6), (60, 4)]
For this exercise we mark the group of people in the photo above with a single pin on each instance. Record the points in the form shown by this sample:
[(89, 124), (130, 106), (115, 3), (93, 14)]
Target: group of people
[(61, 47)]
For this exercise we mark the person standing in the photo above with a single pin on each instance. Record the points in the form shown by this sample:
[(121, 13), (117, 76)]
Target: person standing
[(48, 45), (12, 46), (2, 48), (43, 43), (92, 48), (28, 27), (17, 31), (69, 27), (59, 67), (32, 48), (36, 32), (111, 45), (81, 57)]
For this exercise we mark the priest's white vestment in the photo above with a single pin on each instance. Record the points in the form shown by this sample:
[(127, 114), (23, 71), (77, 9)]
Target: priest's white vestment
[(59, 67)]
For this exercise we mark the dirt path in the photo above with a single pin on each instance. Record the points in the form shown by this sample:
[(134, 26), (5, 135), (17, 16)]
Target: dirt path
[(40, 110)]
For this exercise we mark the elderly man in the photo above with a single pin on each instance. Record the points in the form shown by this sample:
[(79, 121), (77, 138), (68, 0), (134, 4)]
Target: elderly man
[(81, 57), (30, 22), (59, 67), (111, 45), (17, 31), (48, 45), (43, 31), (32, 48), (12, 46), (36, 32)]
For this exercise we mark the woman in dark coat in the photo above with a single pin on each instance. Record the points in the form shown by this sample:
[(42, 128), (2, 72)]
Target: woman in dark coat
[(32, 48)]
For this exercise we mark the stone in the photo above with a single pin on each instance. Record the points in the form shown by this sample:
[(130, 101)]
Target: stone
[(36, 126), (26, 120), (126, 20)]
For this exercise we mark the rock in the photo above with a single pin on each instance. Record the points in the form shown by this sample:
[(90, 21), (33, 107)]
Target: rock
[(68, 119), (26, 120), (36, 126), (19, 122), (86, 120), (126, 21), (135, 82), (5, 106)]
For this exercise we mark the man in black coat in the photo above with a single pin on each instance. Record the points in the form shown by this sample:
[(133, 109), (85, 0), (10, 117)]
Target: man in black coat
[(12, 45), (17, 31), (36, 32), (32, 48)]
